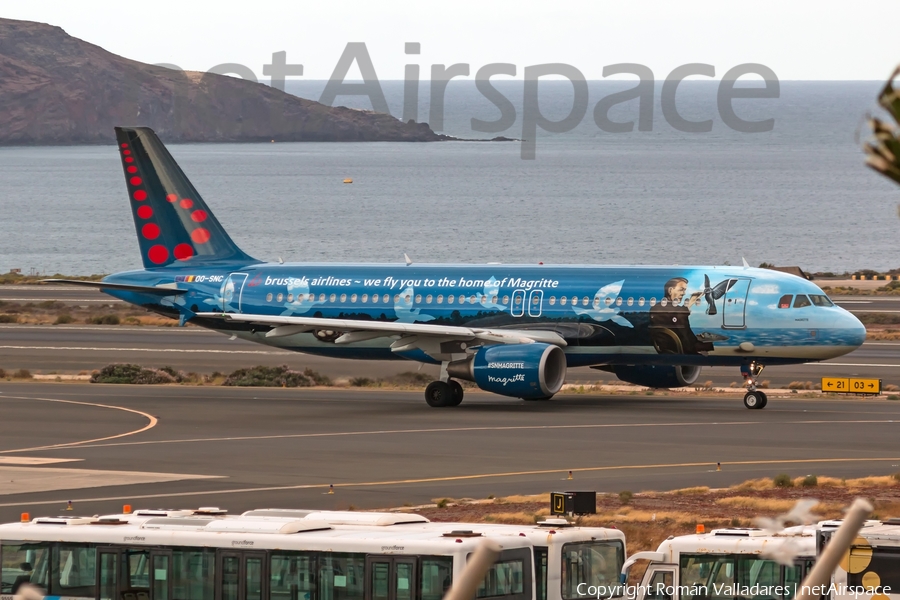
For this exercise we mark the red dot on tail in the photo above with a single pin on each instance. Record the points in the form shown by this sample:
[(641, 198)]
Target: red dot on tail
[(183, 251), (200, 235), (158, 254), (124, 145), (150, 231), (187, 203), (144, 211), (131, 169), (135, 181), (140, 195), (199, 216), (171, 197), (126, 152)]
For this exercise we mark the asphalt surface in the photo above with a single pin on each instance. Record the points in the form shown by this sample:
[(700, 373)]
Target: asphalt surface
[(72, 349), (283, 447)]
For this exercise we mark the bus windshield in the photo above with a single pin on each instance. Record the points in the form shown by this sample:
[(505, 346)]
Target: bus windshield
[(729, 576), (594, 564)]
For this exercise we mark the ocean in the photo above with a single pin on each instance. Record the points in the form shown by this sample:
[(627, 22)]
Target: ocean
[(797, 195)]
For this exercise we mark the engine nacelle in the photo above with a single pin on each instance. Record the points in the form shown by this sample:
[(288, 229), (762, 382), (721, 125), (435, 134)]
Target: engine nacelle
[(658, 376), (522, 370)]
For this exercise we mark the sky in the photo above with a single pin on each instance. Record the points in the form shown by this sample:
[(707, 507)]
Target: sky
[(797, 39)]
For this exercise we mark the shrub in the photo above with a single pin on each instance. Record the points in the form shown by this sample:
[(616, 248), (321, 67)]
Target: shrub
[(2, 374), (442, 503), (64, 319), (22, 374), (896, 476), (361, 382), (625, 497), (268, 377), (783, 480), (103, 320), (9, 319), (810, 481), (316, 377), (177, 376), (130, 373)]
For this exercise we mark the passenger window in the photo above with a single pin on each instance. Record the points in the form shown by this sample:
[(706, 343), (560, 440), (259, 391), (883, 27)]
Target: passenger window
[(552, 300), (462, 299), (343, 298), (193, 571), (450, 299), (25, 563), (342, 576), (365, 298), (268, 297), (408, 298), (630, 301), (574, 300), (291, 297), (608, 301), (473, 299), (440, 299), (664, 302), (428, 299), (396, 298), (535, 299), (74, 570), (280, 298), (785, 301), (494, 299), (619, 301), (386, 298), (332, 298), (640, 301), (437, 575), (596, 302), (353, 298), (585, 301), (801, 301), (321, 297), (563, 300), (505, 299), (652, 301), (293, 576)]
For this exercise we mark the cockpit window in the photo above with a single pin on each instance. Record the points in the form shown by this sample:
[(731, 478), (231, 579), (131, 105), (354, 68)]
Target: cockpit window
[(821, 300), (801, 301), (785, 301)]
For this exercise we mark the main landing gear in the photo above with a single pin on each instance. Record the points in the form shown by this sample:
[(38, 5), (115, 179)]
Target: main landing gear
[(439, 394), (753, 399)]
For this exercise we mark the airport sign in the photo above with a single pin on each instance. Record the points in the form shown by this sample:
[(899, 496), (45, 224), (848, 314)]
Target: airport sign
[(851, 385)]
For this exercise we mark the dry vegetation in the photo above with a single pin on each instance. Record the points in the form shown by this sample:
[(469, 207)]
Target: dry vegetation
[(58, 313), (647, 518)]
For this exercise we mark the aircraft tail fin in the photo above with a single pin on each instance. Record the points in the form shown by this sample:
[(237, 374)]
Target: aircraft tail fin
[(174, 225)]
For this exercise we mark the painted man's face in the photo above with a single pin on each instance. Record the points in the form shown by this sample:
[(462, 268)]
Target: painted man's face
[(676, 293)]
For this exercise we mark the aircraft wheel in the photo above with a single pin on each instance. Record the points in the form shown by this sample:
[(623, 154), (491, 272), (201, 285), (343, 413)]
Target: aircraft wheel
[(458, 392), (754, 400), (765, 399), (439, 394)]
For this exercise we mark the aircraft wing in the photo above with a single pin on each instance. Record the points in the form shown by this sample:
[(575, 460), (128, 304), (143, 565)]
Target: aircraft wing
[(161, 290), (427, 337)]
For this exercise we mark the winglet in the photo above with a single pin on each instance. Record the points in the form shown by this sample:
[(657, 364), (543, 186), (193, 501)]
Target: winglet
[(408, 260), (744, 260)]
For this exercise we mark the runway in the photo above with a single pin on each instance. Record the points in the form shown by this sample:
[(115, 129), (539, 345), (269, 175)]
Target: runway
[(83, 348), (246, 448)]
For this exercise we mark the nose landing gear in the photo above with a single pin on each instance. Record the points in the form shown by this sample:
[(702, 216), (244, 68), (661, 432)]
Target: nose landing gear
[(753, 399)]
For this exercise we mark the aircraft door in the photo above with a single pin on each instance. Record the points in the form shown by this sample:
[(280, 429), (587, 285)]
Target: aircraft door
[(535, 302), (232, 292), (735, 305), (517, 309)]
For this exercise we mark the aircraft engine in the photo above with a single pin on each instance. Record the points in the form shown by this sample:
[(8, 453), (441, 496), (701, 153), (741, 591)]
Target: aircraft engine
[(658, 376), (529, 371)]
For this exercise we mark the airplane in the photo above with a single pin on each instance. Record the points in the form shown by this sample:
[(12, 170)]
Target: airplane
[(513, 330)]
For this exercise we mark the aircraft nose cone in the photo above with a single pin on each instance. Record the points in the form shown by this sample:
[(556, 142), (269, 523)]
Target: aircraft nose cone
[(854, 330)]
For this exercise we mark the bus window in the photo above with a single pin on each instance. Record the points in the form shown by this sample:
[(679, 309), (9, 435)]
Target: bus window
[(342, 576), (505, 578), (193, 574), (379, 586), (138, 569), (231, 568), (253, 580), (596, 564), (292, 576), (24, 563), (74, 570), (660, 587), (709, 572), (437, 574), (540, 572), (161, 577)]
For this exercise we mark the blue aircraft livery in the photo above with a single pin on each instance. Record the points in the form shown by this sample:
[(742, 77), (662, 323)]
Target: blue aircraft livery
[(512, 329)]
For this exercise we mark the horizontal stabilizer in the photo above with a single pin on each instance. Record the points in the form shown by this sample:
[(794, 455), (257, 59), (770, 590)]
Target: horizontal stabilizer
[(125, 287)]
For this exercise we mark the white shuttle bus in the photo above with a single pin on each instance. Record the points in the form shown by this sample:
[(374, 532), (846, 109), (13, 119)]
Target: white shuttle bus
[(726, 564), (269, 554), (871, 568)]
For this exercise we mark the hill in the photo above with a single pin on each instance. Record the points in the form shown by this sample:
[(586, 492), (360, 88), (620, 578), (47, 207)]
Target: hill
[(58, 89)]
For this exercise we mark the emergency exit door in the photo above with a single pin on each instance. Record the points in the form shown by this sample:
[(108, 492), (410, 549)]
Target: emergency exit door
[(241, 576)]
